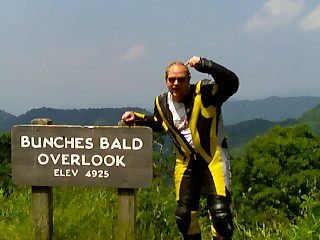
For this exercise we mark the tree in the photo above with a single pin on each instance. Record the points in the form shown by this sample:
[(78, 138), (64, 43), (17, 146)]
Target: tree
[(276, 170)]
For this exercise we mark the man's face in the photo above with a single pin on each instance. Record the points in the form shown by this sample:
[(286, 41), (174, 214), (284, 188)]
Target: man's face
[(177, 82)]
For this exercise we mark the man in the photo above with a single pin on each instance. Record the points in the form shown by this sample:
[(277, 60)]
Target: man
[(191, 114)]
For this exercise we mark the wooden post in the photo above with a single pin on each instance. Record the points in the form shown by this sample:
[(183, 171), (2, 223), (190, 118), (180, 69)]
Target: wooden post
[(126, 210), (42, 209), (126, 213)]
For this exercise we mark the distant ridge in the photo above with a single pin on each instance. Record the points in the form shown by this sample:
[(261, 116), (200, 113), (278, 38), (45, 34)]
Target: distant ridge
[(272, 109), (241, 133), (307, 110), (4, 115), (91, 116)]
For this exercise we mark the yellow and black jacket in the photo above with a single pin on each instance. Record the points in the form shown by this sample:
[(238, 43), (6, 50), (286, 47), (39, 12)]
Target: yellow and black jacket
[(203, 106)]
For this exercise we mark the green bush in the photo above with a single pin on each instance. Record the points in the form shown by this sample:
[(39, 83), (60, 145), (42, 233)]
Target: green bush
[(5, 163), (275, 172)]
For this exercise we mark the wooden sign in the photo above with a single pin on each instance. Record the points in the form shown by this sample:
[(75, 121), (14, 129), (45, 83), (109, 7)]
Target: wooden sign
[(60, 155)]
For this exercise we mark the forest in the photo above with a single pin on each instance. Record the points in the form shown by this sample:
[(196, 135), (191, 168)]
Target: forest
[(275, 195)]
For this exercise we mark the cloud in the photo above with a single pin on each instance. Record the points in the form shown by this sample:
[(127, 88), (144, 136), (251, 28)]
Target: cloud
[(312, 21), (275, 13), (133, 53)]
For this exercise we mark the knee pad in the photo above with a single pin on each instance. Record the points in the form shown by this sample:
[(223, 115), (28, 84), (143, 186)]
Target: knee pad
[(221, 218), (183, 219)]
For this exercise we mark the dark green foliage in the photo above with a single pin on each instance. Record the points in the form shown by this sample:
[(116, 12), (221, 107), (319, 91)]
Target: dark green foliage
[(5, 164), (275, 172)]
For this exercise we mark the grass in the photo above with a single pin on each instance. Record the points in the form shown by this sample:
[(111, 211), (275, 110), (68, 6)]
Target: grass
[(91, 213)]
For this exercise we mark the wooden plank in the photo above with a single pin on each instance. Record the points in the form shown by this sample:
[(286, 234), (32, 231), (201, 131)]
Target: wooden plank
[(42, 212), (126, 213), (42, 208)]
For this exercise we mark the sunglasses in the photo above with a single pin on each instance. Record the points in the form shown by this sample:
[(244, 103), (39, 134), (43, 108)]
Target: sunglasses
[(179, 80)]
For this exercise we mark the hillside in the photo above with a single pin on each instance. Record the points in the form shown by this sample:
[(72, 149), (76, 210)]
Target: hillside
[(312, 118), (5, 116), (240, 134)]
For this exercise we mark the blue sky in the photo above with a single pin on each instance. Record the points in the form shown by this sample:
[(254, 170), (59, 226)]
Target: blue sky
[(91, 54)]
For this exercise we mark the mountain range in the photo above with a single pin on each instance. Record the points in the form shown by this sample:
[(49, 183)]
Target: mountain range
[(90, 116), (273, 109), (244, 119)]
